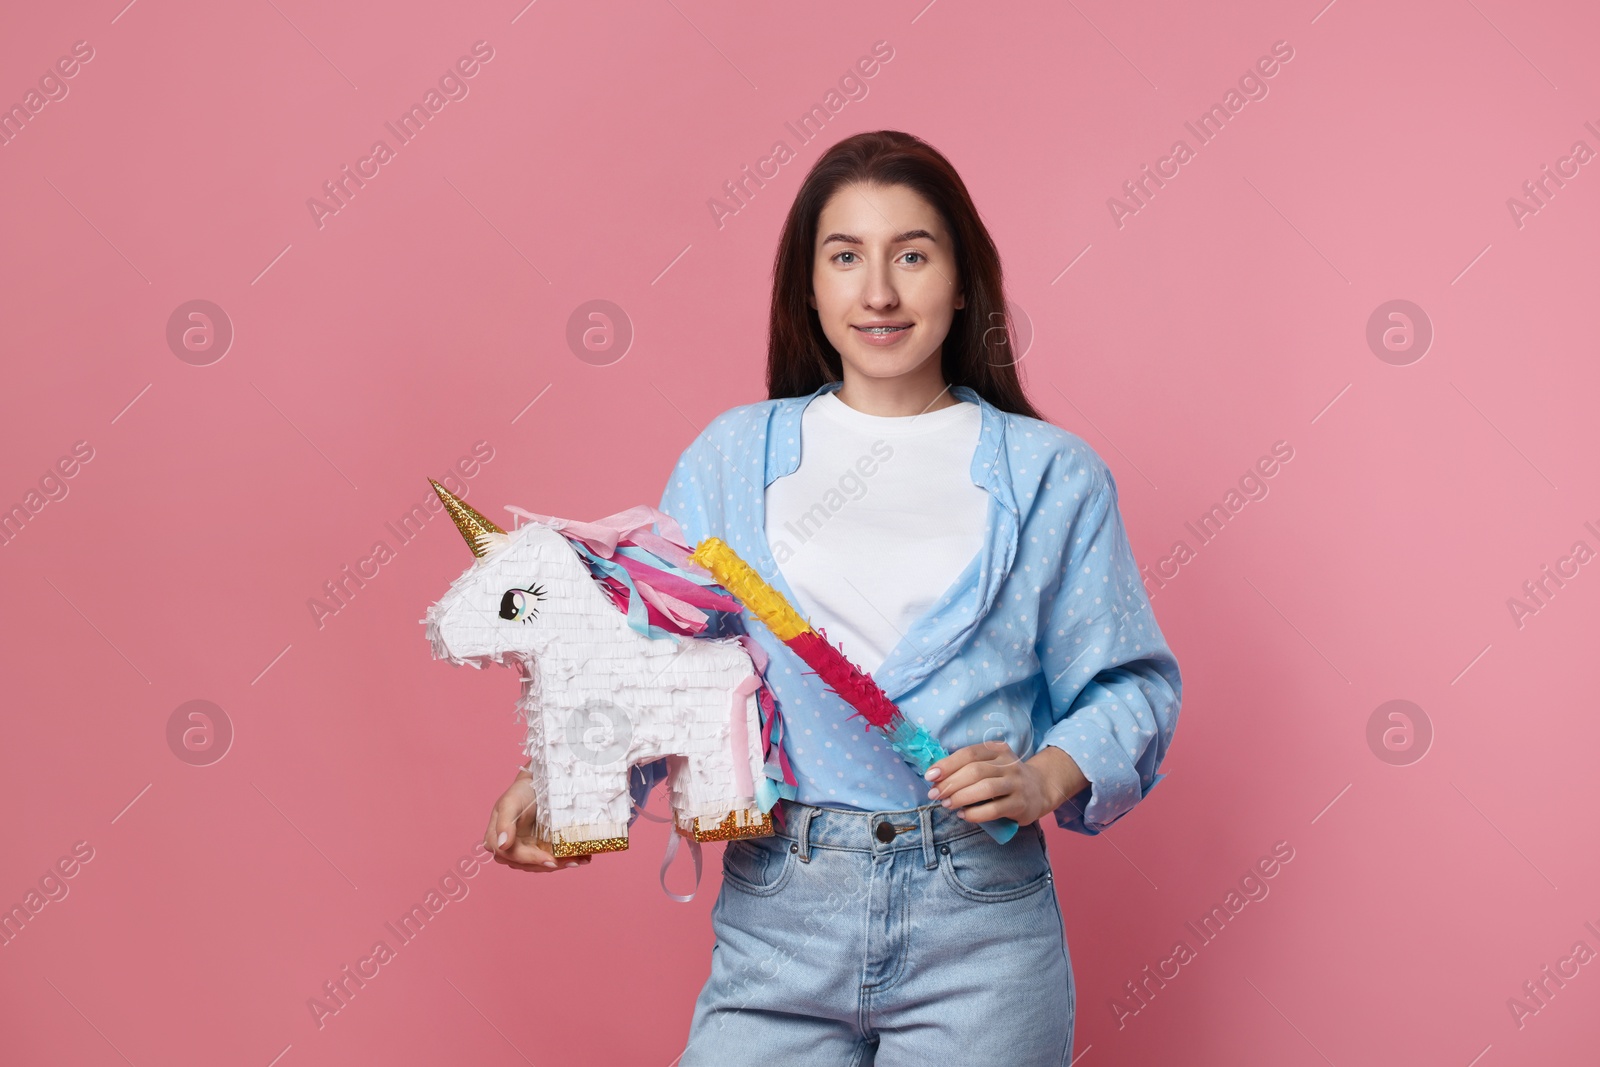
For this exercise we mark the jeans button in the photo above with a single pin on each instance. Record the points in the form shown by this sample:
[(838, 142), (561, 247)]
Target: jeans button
[(884, 832)]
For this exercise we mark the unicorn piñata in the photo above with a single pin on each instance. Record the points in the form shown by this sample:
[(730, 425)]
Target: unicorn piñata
[(602, 620)]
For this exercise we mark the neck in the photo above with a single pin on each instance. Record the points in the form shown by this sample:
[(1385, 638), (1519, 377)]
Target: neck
[(908, 394)]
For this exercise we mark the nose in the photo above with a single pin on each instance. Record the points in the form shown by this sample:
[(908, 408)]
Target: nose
[(880, 291)]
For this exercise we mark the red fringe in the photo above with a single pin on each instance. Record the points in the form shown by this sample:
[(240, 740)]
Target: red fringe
[(857, 689)]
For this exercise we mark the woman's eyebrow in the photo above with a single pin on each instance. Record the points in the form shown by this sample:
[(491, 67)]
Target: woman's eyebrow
[(909, 235)]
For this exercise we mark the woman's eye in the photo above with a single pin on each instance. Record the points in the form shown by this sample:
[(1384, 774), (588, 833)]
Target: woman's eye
[(838, 256)]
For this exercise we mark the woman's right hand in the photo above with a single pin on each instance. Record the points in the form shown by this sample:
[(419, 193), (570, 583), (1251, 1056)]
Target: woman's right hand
[(510, 833)]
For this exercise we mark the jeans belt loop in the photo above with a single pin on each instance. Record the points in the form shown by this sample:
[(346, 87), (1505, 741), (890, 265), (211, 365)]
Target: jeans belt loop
[(930, 857), (803, 832)]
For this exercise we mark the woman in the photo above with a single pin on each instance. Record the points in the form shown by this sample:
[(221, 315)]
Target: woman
[(972, 558)]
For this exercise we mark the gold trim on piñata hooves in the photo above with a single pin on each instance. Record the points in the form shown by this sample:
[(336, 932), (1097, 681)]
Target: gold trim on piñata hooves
[(735, 824), (731, 827), (563, 849)]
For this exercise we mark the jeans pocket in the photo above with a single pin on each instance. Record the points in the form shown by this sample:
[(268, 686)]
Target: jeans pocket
[(758, 865), (981, 869)]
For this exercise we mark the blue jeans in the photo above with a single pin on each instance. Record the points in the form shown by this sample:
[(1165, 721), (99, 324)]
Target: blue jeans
[(836, 947)]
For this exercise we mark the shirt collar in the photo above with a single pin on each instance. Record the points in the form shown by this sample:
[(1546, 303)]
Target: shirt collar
[(989, 468)]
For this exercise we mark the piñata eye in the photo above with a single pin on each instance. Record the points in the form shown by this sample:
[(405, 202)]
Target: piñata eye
[(521, 605)]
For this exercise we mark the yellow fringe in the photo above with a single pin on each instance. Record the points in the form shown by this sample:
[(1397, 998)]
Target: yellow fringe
[(751, 590)]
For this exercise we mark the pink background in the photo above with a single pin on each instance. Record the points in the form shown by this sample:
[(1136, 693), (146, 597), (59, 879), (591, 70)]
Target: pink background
[(430, 312)]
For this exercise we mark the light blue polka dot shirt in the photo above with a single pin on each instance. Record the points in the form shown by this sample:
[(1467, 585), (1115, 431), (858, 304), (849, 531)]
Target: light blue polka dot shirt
[(1046, 638)]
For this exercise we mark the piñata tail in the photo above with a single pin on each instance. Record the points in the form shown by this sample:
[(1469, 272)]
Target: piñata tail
[(858, 689)]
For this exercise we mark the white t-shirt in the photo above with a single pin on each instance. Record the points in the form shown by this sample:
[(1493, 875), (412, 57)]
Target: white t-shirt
[(878, 521)]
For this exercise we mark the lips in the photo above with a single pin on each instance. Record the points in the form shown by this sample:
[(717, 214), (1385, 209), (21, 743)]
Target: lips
[(883, 331)]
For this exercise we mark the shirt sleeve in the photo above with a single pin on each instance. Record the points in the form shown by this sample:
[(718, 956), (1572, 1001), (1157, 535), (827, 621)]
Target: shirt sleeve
[(1113, 683), (684, 500)]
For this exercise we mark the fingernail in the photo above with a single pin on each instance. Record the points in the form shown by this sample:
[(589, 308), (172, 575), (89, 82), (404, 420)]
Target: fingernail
[(932, 775), (549, 863), (945, 803), (933, 794), (501, 843)]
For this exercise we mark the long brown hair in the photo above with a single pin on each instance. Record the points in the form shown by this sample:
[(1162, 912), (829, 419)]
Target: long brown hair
[(977, 352)]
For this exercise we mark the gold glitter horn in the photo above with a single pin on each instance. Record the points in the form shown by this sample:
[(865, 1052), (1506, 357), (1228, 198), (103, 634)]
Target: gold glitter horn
[(477, 530)]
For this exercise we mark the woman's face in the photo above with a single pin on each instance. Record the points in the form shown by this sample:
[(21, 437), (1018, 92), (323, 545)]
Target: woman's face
[(884, 259)]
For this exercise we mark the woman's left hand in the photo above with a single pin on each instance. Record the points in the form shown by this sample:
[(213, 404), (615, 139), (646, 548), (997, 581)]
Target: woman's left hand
[(987, 781)]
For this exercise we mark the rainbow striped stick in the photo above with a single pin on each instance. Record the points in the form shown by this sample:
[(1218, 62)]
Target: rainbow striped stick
[(858, 689)]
